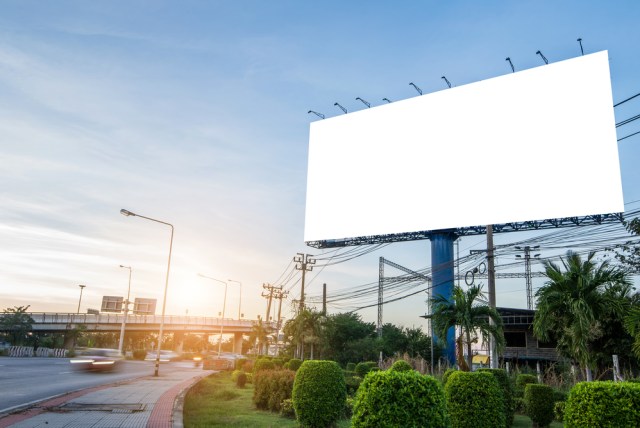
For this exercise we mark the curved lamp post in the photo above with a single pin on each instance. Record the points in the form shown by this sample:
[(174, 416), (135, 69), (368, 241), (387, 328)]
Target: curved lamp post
[(126, 310), (166, 284), (80, 299), (224, 305)]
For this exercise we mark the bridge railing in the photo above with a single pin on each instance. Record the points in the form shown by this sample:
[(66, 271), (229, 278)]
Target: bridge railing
[(107, 318)]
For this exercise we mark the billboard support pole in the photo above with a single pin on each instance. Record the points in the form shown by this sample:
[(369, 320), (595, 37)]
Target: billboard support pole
[(443, 277)]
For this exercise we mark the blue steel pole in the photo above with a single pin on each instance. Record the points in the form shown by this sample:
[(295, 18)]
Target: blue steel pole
[(442, 280)]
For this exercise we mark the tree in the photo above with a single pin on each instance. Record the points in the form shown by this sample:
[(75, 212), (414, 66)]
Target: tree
[(574, 300), (632, 325), (17, 323), (346, 338), (628, 254), (259, 335), (470, 311)]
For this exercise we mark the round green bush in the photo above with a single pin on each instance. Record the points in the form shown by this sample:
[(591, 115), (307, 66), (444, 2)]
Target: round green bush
[(474, 399), (399, 399), (351, 367), (241, 380), (278, 362), (538, 403), (353, 383), (287, 409), (363, 368), (234, 375), (603, 404), (508, 392), (522, 380), (400, 366), (446, 374), (294, 364), (263, 364), (319, 393), (558, 410)]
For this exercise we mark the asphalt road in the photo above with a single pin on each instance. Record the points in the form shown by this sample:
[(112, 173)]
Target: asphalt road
[(28, 380)]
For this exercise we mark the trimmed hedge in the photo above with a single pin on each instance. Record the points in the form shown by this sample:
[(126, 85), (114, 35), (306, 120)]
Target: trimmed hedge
[(263, 364), (558, 410), (363, 368), (538, 403), (319, 393), (522, 380), (603, 404), (241, 380), (508, 393), (446, 374), (399, 399), (351, 367), (271, 388), (353, 384), (474, 399), (294, 364), (400, 366)]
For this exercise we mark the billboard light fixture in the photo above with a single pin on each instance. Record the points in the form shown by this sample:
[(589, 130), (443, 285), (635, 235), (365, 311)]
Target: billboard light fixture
[(364, 102), (513, 69), (544, 58)]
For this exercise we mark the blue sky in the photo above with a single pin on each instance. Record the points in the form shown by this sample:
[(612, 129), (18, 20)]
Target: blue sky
[(195, 113)]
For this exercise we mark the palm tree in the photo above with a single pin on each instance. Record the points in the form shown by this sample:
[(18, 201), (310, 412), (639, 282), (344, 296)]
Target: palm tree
[(573, 300), (259, 335), (470, 311)]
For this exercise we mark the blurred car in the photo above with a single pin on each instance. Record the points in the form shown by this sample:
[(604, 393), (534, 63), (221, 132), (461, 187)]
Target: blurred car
[(223, 361), (96, 359), (165, 356)]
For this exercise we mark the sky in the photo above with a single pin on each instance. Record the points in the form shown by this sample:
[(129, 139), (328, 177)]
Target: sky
[(194, 113)]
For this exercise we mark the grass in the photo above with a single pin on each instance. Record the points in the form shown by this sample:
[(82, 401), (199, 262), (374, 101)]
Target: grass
[(216, 401), (521, 421)]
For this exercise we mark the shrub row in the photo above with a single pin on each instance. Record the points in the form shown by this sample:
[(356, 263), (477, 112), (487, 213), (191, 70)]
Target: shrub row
[(271, 388), (603, 404)]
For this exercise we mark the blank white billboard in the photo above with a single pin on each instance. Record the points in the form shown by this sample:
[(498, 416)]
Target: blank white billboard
[(532, 145)]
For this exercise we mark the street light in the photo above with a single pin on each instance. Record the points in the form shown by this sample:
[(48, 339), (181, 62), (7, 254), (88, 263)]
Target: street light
[(80, 299), (224, 305), (166, 284), (240, 298), (126, 310)]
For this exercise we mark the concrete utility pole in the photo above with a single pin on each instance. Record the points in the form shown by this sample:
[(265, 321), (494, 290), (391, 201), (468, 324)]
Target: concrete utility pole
[(279, 294), (324, 299), (304, 262), (491, 270), (271, 289)]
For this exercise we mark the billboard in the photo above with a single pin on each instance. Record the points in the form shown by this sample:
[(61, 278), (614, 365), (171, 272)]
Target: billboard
[(112, 304), (143, 306), (532, 145)]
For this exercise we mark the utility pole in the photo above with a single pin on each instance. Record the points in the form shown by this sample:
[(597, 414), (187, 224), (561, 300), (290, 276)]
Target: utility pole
[(279, 294), (324, 299), (493, 361), (304, 262), (269, 295), (527, 272)]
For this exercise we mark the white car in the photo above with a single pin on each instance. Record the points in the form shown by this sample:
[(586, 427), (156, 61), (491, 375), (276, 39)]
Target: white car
[(165, 356)]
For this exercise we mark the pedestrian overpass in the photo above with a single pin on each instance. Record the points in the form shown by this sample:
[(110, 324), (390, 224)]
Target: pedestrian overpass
[(55, 322)]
